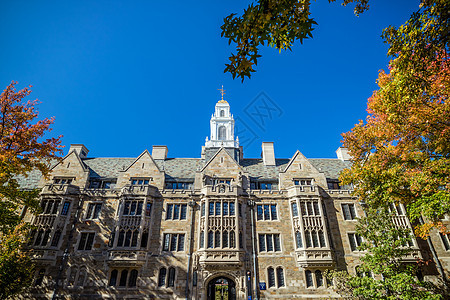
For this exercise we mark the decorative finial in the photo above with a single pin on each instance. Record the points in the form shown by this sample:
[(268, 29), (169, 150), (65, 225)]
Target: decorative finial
[(222, 91)]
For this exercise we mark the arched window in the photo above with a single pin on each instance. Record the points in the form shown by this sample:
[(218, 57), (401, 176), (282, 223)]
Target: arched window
[(162, 277), (298, 239), (133, 278), (217, 240), (280, 277), (309, 279), (225, 239), (222, 133), (171, 281), (123, 278), (319, 278), (113, 278), (232, 239), (271, 277), (210, 239), (222, 113)]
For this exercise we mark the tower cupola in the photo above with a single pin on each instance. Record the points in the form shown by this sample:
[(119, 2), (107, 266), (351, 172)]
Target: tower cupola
[(222, 126)]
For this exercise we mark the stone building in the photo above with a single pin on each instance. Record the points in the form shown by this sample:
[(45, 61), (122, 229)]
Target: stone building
[(216, 227)]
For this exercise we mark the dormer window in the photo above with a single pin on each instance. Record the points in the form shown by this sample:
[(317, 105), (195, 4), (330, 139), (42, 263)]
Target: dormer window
[(179, 185), (303, 182), (263, 185), (102, 184), (63, 180), (333, 184), (221, 181), (140, 181)]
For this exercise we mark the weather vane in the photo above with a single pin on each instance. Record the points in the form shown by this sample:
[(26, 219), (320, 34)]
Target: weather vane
[(222, 91)]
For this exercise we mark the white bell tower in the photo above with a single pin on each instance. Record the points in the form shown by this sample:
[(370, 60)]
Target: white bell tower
[(222, 126)]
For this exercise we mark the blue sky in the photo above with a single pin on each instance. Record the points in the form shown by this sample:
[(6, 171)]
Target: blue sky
[(121, 76)]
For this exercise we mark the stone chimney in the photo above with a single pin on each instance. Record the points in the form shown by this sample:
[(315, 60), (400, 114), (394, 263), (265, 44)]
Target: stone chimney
[(268, 154), (80, 149), (342, 154), (159, 152)]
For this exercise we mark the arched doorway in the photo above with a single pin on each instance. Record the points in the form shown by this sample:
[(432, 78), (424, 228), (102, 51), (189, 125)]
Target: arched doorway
[(221, 288)]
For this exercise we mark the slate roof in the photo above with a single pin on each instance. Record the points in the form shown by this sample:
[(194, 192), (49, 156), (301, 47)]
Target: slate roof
[(185, 168), (330, 166), (29, 182), (180, 168), (256, 168), (106, 167)]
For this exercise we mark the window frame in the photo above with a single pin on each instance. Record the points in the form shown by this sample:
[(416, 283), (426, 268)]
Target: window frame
[(117, 281), (298, 239), (138, 208), (140, 181), (267, 215), (65, 209), (165, 281), (303, 181), (91, 213), (56, 238), (179, 185), (178, 209), (352, 217), (51, 206), (62, 180), (314, 279), (128, 234), (88, 235), (173, 240), (41, 237), (269, 240), (355, 240), (445, 241), (276, 278)]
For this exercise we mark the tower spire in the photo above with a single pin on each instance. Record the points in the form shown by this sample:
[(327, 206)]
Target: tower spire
[(222, 91)]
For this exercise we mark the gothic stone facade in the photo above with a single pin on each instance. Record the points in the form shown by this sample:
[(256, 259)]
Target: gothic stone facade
[(154, 227)]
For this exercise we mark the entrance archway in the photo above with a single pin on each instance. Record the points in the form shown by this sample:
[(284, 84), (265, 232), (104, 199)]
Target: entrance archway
[(221, 288)]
